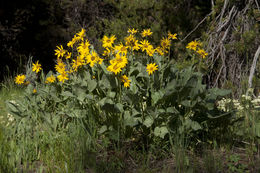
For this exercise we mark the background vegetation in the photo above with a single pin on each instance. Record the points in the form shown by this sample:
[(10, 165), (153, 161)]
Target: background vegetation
[(35, 27)]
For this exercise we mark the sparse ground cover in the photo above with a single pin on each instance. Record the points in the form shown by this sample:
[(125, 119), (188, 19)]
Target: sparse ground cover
[(128, 109)]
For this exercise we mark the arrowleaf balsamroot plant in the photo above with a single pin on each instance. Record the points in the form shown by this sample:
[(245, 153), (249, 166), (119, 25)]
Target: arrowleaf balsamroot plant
[(131, 90)]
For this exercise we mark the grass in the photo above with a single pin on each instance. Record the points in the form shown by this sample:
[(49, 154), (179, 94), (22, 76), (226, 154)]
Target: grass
[(75, 150)]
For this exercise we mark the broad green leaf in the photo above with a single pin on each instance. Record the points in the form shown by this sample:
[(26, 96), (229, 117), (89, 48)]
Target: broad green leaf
[(195, 125), (129, 120), (119, 107), (186, 103), (92, 84), (107, 104), (111, 94), (148, 122), (213, 93), (67, 94), (156, 96), (102, 129), (172, 110), (161, 131), (80, 93)]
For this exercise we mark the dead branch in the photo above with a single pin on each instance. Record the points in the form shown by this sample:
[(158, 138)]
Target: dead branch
[(224, 60), (252, 70), (197, 26)]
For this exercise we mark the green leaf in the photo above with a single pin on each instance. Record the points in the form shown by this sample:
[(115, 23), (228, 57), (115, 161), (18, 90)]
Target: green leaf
[(133, 88), (92, 84), (148, 122), (172, 110), (67, 94), (102, 129), (186, 103), (119, 107), (156, 96), (161, 131), (129, 120), (213, 93), (104, 68), (107, 104), (104, 83), (14, 109), (111, 94), (195, 125)]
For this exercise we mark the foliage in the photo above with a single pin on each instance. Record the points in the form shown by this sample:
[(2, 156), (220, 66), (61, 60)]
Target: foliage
[(168, 101)]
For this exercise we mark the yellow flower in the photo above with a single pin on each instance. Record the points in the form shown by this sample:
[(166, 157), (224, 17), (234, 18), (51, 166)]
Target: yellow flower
[(68, 56), (63, 76), (99, 60), (120, 60), (60, 66), (78, 62), (132, 42), (160, 51), (150, 51), (34, 91), (60, 51), (81, 33), (115, 67), (172, 36), (107, 42), (126, 81), (92, 58), (130, 39), (202, 53), (136, 45), (83, 48), (36, 67), (192, 45), (19, 79), (75, 64), (107, 52), (145, 45), (132, 31), (150, 68), (146, 32), (50, 79), (71, 43), (165, 43), (120, 49)]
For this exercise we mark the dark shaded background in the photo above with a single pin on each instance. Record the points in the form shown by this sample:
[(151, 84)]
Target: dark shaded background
[(36, 27)]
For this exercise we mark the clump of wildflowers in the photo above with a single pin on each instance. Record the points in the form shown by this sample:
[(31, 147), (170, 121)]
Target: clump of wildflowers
[(246, 102), (197, 47), (79, 54)]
